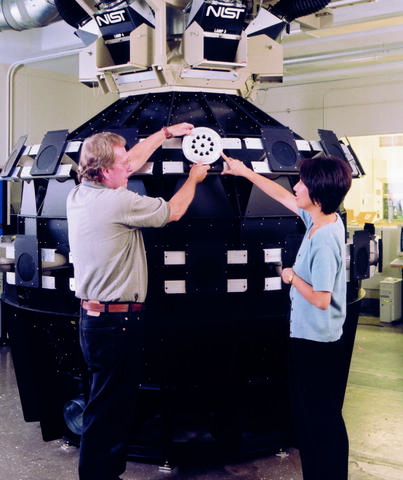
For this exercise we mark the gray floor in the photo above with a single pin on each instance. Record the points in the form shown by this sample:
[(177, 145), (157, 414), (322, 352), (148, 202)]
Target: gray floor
[(373, 413)]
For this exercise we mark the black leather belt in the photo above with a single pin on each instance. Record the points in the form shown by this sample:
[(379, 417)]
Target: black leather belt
[(94, 306)]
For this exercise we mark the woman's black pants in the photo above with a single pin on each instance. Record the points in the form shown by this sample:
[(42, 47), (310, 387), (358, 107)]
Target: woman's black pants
[(316, 386)]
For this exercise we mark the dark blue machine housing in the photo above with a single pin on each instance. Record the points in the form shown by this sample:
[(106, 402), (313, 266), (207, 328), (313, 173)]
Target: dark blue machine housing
[(215, 368)]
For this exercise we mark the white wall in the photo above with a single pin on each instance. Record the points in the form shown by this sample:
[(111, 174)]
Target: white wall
[(45, 100), (3, 112), (366, 105)]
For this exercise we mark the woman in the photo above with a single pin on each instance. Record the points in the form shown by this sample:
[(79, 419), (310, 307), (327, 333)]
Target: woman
[(318, 310)]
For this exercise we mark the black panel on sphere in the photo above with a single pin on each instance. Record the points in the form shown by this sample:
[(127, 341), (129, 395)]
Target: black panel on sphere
[(46, 158), (50, 153), (152, 114), (193, 108), (53, 233), (14, 157), (356, 160), (284, 153), (26, 267), (27, 261), (206, 263), (229, 115), (28, 200), (359, 263), (362, 262), (115, 115), (292, 243), (118, 114), (129, 134), (281, 149), (261, 205), (233, 120), (331, 144), (210, 200), (54, 204)]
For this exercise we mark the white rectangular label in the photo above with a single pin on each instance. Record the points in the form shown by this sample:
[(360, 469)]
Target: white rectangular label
[(175, 286), (10, 251), (175, 258), (272, 283), (232, 143), (272, 255), (237, 285), (26, 171), (172, 143), (72, 147), (261, 167), (172, 167), (303, 145), (48, 282), (34, 149), (10, 278), (48, 254), (237, 257), (253, 143), (316, 146)]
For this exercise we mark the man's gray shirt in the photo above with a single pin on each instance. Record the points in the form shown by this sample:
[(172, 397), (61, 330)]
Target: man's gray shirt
[(106, 242)]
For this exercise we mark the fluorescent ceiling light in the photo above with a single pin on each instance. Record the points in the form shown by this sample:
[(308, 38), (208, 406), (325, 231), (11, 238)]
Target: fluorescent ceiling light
[(348, 3)]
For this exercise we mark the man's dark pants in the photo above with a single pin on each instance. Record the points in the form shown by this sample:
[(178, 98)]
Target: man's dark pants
[(112, 345)]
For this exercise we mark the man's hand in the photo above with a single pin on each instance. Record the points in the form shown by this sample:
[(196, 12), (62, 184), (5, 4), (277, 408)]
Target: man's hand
[(235, 167), (180, 202), (180, 129), (198, 172), (142, 151)]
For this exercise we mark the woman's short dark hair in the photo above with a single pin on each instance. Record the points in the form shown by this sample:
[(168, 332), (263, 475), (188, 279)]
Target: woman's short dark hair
[(328, 180), (97, 153)]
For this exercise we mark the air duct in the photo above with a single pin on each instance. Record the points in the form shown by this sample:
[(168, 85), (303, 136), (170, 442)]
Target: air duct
[(298, 8), (26, 14)]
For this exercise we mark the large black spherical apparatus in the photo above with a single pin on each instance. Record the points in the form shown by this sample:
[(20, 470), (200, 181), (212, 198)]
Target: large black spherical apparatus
[(215, 357)]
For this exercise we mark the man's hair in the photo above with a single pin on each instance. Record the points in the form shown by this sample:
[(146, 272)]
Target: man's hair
[(328, 180), (97, 153)]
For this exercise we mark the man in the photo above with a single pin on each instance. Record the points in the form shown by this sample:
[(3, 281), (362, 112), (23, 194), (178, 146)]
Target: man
[(110, 270)]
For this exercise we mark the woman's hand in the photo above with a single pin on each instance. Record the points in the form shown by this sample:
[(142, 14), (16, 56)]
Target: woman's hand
[(235, 167), (286, 275)]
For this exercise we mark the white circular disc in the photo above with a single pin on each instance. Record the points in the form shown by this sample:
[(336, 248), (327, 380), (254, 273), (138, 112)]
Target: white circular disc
[(203, 144)]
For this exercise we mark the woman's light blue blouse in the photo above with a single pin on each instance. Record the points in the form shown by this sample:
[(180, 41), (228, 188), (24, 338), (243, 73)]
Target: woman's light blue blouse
[(320, 262)]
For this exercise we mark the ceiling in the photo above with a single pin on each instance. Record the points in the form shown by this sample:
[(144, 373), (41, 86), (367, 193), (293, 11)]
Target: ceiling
[(361, 36), (368, 34)]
